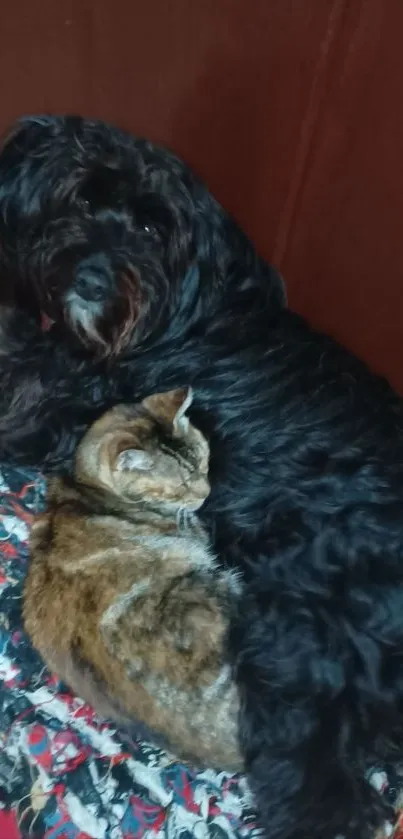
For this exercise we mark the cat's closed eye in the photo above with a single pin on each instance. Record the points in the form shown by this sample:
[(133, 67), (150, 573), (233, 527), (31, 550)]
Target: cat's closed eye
[(180, 452)]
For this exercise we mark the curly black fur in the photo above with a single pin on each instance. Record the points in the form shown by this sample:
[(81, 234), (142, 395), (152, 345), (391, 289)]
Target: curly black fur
[(114, 237), (307, 491)]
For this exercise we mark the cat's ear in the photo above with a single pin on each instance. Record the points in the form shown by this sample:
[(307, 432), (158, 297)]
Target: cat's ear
[(132, 459), (170, 407), (181, 421)]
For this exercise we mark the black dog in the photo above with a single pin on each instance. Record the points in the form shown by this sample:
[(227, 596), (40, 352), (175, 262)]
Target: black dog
[(307, 449), (114, 237), (120, 244)]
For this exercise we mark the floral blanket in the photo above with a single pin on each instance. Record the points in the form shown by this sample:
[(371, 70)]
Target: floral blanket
[(66, 774)]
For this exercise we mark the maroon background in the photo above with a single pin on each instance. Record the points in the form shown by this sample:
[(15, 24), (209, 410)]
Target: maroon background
[(291, 110)]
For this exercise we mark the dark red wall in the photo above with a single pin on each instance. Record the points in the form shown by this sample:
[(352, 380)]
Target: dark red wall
[(292, 110)]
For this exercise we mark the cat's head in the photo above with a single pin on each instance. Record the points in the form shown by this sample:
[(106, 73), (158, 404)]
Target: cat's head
[(150, 451)]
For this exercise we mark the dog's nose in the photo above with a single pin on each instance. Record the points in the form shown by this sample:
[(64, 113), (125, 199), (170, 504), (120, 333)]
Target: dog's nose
[(89, 286), (93, 281)]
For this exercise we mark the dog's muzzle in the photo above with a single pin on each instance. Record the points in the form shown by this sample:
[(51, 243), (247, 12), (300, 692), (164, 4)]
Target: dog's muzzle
[(94, 279)]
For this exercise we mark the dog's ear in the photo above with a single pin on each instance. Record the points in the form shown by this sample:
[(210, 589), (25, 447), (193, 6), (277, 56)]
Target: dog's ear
[(170, 408), (24, 147), (22, 137)]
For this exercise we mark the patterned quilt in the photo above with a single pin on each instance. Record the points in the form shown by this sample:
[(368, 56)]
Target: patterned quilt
[(66, 774)]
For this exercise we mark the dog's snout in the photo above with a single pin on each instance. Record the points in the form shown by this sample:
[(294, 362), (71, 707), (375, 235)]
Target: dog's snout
[(94, 279), (89, 287)]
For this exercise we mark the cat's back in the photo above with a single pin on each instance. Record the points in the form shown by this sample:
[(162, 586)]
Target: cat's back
[(85, 553), (78, 562)]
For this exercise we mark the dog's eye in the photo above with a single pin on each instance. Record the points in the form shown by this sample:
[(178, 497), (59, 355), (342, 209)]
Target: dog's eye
[(151, 230), (84, 203)]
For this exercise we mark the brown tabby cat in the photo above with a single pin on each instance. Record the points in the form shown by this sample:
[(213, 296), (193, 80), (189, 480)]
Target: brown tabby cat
[(123, 598)]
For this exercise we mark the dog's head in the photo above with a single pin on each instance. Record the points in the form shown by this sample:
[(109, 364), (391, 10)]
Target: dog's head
[(96, 228), (108, 235)]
